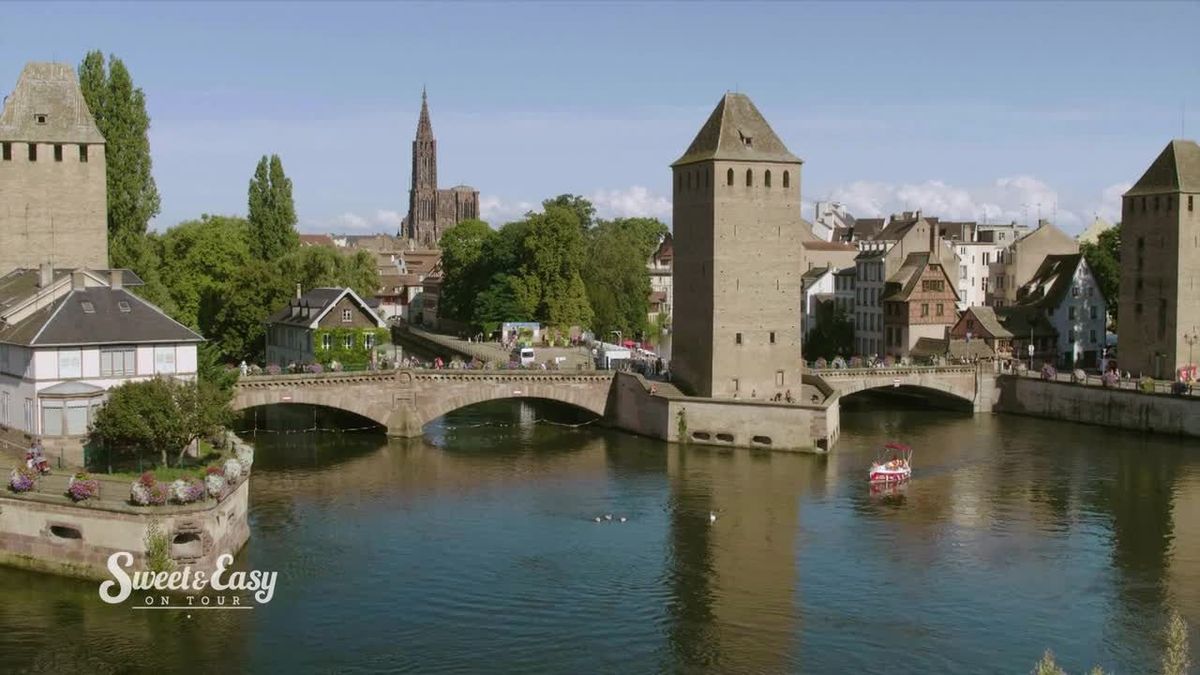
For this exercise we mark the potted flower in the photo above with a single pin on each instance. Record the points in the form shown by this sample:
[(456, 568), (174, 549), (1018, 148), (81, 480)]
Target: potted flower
[(274, 369), (82, 487), (187, 491), (139, 491), (233, 471), (245, 456), (22, 479), (1049, 373)]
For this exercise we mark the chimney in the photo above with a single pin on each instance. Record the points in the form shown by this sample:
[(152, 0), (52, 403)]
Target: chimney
[(78, 280), (116, 280), (45, 274), (298, 290), (934, 244)]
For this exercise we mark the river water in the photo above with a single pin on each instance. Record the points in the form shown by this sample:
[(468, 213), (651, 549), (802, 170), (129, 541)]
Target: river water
[(474, 550)]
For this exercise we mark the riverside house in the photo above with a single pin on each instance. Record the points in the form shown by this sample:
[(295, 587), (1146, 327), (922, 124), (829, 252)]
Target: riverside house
[(322, 326), (66, 338)]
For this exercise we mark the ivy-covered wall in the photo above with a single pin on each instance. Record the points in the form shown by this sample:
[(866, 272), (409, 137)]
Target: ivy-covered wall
[(358, 354)]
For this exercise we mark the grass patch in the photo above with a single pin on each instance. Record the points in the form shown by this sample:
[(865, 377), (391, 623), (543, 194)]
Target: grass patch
[(193, 467)]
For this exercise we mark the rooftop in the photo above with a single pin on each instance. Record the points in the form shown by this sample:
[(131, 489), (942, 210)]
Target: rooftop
[(1176, 169), (736, 130), (47, 106)]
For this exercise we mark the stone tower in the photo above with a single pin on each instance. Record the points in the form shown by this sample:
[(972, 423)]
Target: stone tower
[(737, 231), (422, 197), (1160, 264), (53, 200), (432, 211)]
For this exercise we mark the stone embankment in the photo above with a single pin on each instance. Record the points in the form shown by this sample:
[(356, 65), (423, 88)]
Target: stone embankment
[(1091, 403)]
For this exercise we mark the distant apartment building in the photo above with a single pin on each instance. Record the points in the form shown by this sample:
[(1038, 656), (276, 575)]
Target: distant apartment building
[(869, 278), (974, 270), (830, 217), (1160, 268), (1001, 234), (662, 295), (1022, 258), (843, 291), (1091, 234), (919, 300), (818, 285)]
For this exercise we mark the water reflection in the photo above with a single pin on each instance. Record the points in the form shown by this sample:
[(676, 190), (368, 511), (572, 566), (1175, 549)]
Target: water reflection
[(474, 549)]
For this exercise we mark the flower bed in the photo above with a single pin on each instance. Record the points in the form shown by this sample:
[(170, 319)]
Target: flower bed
[(82, 487), (187, 491), (148, 491), (22, 479)]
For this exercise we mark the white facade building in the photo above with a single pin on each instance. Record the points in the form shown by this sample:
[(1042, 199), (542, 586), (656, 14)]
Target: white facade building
[(869, 279), (828, 217), (1065, 289), (67, 337), (974, 259)]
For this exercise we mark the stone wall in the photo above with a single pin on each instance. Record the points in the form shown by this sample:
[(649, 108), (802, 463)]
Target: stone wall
[(51, 534), (1120, 408)]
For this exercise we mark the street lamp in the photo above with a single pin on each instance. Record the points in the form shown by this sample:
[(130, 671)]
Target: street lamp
[(1191, 341)]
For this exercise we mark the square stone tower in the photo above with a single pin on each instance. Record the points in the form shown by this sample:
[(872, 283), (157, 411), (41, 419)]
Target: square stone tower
[(738, 233), (1160, 264), (53, 199)]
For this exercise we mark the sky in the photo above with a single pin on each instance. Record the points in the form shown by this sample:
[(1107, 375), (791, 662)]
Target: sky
[(976, 111)]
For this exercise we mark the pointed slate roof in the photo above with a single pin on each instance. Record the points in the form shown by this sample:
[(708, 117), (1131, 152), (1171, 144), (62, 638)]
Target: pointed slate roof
[(1051, 282), (47, 106), (424, 127), (736, 131), (1177, 169)]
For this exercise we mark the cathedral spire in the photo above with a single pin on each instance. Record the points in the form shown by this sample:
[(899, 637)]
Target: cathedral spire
[(424, 128)]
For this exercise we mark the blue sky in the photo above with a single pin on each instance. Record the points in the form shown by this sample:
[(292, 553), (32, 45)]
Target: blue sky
[(966, 110)]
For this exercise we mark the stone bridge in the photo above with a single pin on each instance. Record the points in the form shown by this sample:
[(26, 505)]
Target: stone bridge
[(404, 401), (973, 386)]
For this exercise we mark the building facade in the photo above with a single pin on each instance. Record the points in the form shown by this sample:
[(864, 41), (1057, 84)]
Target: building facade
[(662, 294), (53, 199), (737, 238), (974, 271), (322, 326), (1022, 258), (1160, 265), (432, 211), (67, 336), (1064, 289), (919, 300), (869, 278)]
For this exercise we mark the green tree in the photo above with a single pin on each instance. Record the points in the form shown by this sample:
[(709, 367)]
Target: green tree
[(163, 414), (584, 210), (465, 271), (272, 212), (120, 112), (199, 256), (239, 307), (552, 259), (323, 267), (616, 276), (1104, 259), (833, 334)]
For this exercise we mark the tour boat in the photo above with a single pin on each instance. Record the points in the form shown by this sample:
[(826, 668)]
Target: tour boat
[(892, 464)]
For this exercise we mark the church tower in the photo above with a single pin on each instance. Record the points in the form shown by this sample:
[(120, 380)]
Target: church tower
[(738, 259), (423, 195)]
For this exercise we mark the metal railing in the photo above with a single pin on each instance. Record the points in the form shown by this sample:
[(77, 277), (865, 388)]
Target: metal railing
[(1155, 387)]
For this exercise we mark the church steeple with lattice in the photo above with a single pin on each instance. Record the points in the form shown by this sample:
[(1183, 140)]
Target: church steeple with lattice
[(432, 211)]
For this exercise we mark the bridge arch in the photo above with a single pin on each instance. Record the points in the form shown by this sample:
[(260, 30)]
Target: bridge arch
[(957, 385)]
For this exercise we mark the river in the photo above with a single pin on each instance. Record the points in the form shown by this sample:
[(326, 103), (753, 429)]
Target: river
[(475, 550)]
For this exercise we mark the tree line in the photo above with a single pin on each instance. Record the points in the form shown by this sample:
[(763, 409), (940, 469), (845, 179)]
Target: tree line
[(561, 267)]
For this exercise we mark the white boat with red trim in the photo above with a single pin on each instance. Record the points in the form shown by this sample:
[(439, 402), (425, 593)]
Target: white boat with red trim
[(892, 464)]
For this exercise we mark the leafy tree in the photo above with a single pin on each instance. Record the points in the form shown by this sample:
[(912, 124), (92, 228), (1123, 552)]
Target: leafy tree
[(833, 334), (120, 112), (1104, 259), (500, 302), (239, 307), (162, 413), (323, 267), (617, 280), (465, 271), (199, 256), (272, 212), (584, 210), (551, 263)]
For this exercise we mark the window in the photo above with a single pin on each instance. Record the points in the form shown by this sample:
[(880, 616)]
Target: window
[(347, 316), (40, 118), (123, 307), (933, 285), (1162, 318), (787, 180), (327, 342), (348, 341), (962, 272), (779, 378), (369, 340), (1093, 335), (58, 152), (33, 152), (117, 361), (1092, 311), (87, 306), (1071, 335), (940, 310), (1074, 291), (1168, 202), (749, 177), (729, 177), (6, 151), (1071, 313), (1189, 198), (735, 384), (737, 339), (924, 309), (1155, 202), (69, 363), (164, 359), (83, 154), (767, 178), (772, 337), (1137, 309)]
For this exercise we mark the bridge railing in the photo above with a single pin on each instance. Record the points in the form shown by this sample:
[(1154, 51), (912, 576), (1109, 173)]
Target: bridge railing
[(445, 374), (1158, 387), (891, 371)]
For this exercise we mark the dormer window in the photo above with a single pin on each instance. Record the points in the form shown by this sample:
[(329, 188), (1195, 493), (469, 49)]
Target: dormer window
[(39, 118), (746, 140), (123, 306), (88, 307), (347, 316)]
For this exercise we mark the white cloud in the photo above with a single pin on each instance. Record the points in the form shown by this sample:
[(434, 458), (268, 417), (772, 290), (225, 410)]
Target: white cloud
[(497, 211), (635, 201), (350, 221), (382, 220), (390, 220), (1019, 198)]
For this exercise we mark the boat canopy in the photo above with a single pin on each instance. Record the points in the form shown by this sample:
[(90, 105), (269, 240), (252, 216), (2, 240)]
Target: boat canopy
[(898, 446)]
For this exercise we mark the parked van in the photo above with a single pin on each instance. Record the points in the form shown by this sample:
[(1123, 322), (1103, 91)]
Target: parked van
[(526, 356)]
